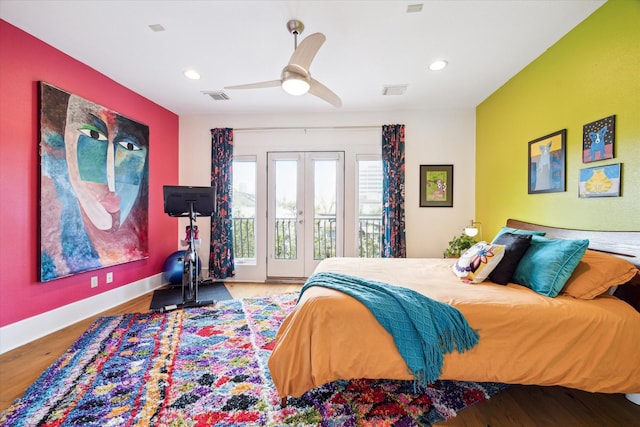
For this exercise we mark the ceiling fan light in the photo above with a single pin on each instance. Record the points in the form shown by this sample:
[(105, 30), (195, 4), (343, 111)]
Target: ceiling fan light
[(295, 86)]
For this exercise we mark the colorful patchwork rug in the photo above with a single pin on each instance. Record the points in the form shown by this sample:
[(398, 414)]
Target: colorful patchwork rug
[(208, 366)]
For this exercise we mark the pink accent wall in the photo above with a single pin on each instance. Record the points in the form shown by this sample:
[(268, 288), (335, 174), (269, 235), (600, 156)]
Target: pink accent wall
[(24, 61)]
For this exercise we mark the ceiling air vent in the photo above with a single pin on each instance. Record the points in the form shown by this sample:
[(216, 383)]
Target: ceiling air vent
[(156, 28), (218, 95), (394, 90)]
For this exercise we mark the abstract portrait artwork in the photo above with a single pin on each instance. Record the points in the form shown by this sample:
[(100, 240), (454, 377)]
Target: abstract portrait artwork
[(94, 186), (598, 139), (547, 163)]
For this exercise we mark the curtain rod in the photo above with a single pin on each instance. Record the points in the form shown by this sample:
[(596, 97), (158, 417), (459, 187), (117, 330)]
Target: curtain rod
[(305, 128)]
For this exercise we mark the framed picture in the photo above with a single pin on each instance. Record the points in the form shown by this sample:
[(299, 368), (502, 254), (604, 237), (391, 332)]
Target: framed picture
[(436, 186), (94, 186), (598, 139), (547, 163), (600, 181)]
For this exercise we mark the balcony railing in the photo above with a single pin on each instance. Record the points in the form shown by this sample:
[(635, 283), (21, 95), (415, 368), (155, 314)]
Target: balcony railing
[(324, 238), (244, 241), (286, 239), (369, 236)]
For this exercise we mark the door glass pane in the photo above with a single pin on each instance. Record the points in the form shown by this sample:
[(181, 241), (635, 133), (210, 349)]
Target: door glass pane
[(324, 205), (244, 211), (286, 173), (369, 208)]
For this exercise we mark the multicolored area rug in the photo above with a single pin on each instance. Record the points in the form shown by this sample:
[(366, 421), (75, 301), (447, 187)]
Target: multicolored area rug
[(208, 366)]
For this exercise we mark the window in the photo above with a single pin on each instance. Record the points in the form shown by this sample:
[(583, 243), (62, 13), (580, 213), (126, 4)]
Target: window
[(369, 206), (244, 210)]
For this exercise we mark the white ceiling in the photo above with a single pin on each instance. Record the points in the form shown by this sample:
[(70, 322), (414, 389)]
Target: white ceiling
[(369, 44)]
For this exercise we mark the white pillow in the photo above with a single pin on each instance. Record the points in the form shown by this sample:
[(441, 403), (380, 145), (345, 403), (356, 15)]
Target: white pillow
[(477, 262)]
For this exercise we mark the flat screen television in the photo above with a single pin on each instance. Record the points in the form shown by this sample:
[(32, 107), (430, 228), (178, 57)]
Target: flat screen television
[(179, 199)]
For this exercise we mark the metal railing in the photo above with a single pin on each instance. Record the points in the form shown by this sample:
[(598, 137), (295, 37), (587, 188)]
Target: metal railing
[(286, 239), (324, 238), (244, 240), (369, 236)]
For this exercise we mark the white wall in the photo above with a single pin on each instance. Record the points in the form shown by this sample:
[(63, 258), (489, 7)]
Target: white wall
[(431, 137)]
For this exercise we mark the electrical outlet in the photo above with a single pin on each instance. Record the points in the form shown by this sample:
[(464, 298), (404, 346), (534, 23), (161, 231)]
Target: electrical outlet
[(110, 277), (94, 281)]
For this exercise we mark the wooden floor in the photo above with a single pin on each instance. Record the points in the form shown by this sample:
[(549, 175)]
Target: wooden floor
[(516, 406)]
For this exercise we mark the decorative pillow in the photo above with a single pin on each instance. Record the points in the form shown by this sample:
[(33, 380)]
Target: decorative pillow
[(517, 231), (515, 247), (629, 294), (596, 273), (548, 264), (477, 262)]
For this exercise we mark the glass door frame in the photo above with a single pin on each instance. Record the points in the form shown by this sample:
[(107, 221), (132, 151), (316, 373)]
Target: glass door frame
[(304, 264)]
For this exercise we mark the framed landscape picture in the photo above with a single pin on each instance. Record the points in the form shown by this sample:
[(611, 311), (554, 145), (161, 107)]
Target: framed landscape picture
[(436, 186)]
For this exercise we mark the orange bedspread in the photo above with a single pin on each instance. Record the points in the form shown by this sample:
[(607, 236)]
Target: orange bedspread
[(525, 338)]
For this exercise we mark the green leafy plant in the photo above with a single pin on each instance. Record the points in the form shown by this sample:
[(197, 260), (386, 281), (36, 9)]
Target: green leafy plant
[(457, 245)]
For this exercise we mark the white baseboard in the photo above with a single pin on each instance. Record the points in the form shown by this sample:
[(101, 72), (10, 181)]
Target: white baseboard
[(27, 330)]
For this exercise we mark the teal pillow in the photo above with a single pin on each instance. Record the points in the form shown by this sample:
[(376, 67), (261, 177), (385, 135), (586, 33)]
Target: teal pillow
[(516, 231), (548, 264)]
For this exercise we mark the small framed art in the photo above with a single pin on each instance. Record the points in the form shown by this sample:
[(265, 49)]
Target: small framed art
[(600, 181), (547, 163), (436, 186), (598, 139)]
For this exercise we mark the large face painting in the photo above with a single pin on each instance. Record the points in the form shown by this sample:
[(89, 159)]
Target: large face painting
[(94, 186)]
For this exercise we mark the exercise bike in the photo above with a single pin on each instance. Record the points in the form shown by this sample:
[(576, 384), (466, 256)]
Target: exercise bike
[(191, 261), (182, 201)]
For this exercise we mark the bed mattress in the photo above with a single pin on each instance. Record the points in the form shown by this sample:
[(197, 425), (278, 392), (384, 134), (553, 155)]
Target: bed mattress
[(525, 338)]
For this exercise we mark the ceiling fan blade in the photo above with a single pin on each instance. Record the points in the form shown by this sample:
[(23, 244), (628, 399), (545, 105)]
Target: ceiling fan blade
[(323, 92), (307, 50), (270, 83)]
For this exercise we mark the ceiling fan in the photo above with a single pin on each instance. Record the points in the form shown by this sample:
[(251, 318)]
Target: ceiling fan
[(295, 78)]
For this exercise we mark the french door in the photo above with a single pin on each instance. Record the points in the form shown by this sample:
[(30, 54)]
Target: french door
[(305, 217)]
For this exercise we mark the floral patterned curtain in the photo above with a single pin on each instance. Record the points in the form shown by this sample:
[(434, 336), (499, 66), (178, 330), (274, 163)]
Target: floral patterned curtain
[(221, 263), (393, 229)]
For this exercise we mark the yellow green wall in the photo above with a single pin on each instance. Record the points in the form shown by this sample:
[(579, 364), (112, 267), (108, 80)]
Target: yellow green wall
[(591, 73)]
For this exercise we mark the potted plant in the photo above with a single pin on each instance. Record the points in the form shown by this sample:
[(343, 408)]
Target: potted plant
[(458, 245)]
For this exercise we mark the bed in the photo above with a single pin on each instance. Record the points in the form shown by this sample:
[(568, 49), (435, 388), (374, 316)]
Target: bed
[(587, 341)]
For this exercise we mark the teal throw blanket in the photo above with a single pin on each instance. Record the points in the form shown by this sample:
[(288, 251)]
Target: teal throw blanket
[(422, 329)]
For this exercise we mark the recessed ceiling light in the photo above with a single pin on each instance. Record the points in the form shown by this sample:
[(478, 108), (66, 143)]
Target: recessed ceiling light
[(192, 74), (413, 8), (438, 65)]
